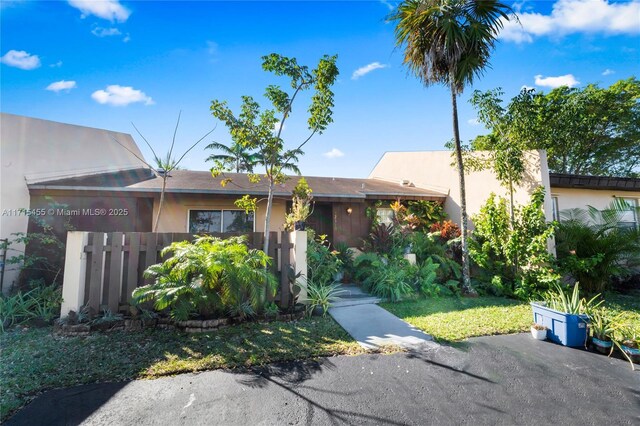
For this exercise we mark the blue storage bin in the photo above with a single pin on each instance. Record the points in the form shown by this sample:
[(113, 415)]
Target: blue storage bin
[(566, 329)]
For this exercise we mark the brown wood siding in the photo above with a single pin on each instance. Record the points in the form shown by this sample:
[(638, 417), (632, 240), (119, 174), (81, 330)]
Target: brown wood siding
[(350, 228), (138, 217)]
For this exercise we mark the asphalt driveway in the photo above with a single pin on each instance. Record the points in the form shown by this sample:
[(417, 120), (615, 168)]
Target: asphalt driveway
[(489, 380)]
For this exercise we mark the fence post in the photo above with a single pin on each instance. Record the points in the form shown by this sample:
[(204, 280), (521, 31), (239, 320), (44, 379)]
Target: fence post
[(299, 260), (75, 268)]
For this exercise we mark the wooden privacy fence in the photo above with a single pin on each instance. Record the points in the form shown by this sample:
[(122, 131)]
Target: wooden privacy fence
[(102, 269)]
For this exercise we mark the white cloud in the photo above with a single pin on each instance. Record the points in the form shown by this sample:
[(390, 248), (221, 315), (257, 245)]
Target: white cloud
[(474, 121), (62, 85), (367, 69), (105, 32), (56, 65), (553, 82), (20, 59), (117, 95), (575, 16), (388, 4), (126, 38), (608, 72), (334, 153), (110, 10)]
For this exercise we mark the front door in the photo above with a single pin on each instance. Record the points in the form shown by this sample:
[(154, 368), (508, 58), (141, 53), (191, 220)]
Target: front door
[(321, 220)]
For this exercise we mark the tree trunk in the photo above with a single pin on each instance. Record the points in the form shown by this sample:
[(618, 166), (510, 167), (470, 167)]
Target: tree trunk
[(164, 185), (466, 272), (267, 218), (513, 227)]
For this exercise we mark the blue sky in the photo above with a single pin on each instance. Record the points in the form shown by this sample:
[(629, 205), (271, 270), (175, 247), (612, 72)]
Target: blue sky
[(106, 64)]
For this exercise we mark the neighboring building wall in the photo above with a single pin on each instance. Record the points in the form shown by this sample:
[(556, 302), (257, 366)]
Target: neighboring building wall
[(34, 150), (434, 170), (175, 212), (571, 198)]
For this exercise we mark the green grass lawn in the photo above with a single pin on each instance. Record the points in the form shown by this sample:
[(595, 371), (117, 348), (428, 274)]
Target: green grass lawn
[(453, 319), (35, 360)]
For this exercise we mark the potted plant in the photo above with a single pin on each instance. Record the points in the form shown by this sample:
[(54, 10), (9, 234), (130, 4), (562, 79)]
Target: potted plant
[(602, 326), (627, 341), (564, 315), (301, 199), (320, 297), (539, 331)]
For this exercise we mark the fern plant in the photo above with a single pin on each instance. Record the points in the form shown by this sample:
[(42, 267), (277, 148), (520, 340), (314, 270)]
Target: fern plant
[(209, 277)]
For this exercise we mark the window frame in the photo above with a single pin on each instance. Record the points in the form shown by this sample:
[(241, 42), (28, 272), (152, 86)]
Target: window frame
[(555, 208), (385, 209), (201, 209), (634, 210)]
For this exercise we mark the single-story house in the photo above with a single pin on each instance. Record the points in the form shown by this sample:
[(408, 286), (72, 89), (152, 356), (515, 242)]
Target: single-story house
[(106, 188)]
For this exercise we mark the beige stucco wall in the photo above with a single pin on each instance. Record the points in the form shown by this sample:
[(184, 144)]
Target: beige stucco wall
[(33, 150), (175, 212), (571, 198), (436, 170)]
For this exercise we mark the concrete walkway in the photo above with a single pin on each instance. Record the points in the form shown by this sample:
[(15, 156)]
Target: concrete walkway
[(373, 327)]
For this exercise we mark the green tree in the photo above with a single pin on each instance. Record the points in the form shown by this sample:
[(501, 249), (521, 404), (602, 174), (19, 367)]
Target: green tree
[(253, 128), (590, 130), (234, 156), (449, 42)]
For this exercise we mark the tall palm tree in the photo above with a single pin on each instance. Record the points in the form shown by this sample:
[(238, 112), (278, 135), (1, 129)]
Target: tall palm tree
[(235, 155), (449, 42)]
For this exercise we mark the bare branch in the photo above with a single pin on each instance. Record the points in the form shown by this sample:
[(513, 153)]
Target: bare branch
[(173, 141), (136, 155), (192, 146), (146, 141)]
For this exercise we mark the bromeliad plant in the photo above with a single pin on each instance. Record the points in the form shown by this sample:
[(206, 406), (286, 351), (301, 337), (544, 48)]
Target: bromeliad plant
[(209, 277)]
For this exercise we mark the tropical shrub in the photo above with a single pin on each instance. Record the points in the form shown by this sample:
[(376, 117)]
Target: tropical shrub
[(322, 262), (430, 247), (381, 239), (209, 277), (515, 251), (345, 256), (593, 249), (447, 229), (392, 279)]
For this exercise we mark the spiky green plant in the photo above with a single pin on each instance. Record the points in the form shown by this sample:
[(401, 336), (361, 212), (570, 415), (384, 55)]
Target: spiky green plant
[(209, 277), (321, 295), (560, 300)]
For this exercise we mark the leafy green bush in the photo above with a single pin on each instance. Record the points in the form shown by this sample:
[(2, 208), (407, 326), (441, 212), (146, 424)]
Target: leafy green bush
[(432, 247), (389, 279), (41, 303), (515, 252), (594, 249), (322, 262), (209, 277)]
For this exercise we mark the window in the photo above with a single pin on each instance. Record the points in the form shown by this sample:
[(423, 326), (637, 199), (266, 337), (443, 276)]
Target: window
[(385, 216), (629, 219), (556, 210), (220, 221)]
